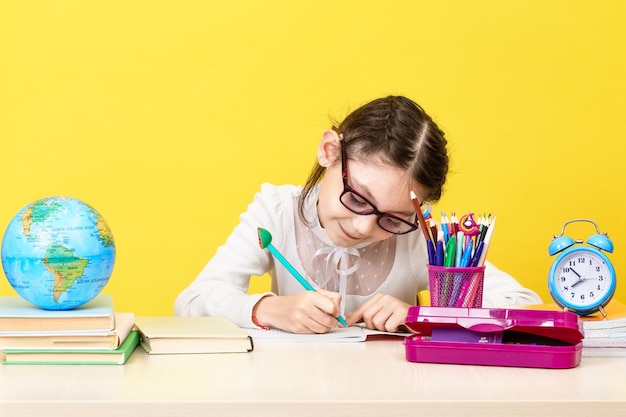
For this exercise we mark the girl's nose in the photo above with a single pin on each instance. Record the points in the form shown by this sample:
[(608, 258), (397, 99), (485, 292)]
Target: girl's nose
[(365, 224)]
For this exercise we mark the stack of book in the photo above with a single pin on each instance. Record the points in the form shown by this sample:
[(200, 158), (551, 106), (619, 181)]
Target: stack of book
[(606, 336), (91, 334)]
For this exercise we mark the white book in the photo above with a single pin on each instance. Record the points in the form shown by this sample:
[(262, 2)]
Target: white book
[(618, 332), (615, 318), (604, 342), (604, 352)]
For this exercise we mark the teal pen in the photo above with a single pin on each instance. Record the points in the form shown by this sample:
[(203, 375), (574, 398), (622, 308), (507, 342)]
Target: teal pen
[(265, 241)]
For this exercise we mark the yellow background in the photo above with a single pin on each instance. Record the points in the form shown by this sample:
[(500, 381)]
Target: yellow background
[(167, 116)]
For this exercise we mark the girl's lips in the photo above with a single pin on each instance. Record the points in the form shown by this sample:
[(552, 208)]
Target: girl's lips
[(348, 235)]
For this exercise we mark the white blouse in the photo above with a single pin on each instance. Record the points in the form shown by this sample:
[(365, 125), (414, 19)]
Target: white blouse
[(395, 266)]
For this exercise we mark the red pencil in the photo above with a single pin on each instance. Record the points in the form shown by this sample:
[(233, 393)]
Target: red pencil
[(420, 218)]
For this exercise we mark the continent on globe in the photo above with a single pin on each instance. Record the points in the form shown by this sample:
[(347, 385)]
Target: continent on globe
[(58, 253), (65, 267), (38, 212), (104, 233)]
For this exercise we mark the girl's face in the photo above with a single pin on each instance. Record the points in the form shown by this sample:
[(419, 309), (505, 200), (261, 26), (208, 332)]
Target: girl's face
[(388, 188)]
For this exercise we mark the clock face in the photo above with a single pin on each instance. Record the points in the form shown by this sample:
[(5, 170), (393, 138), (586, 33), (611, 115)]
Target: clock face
[(582, 279)]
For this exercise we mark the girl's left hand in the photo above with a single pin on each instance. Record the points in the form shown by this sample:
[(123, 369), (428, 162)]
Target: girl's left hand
[(381, 312)]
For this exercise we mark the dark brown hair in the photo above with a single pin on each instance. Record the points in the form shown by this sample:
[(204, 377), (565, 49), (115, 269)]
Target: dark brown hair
[(400, 133)]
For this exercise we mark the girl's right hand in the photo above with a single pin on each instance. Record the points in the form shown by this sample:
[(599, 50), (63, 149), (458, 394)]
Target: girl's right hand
[(307, 312)]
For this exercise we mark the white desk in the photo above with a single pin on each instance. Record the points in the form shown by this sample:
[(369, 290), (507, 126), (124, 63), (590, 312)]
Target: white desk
[(361, 379)]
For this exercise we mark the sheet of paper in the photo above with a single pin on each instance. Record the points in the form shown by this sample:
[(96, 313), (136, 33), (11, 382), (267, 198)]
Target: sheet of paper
[(336, 335)]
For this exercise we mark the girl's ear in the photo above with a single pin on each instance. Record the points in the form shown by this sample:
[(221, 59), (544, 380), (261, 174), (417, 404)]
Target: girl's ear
[(329, 149)]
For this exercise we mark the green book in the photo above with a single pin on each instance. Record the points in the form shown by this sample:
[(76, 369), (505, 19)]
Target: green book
[(117, 356)]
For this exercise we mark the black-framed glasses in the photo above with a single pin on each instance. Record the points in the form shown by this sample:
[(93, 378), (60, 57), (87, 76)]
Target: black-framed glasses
[(358, 204)]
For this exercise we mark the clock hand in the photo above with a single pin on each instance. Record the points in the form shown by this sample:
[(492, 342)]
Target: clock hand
[(580, 278)]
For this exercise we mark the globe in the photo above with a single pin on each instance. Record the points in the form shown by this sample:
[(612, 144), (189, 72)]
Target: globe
[(58, 253)]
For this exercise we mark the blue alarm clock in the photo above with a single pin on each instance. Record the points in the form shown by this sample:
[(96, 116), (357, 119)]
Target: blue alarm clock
[(582, 278)]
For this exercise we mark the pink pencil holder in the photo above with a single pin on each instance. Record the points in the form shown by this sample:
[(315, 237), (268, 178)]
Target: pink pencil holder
[(456, 287)]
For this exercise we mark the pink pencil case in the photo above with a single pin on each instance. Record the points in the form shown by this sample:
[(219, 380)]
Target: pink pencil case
[(498, 337)]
